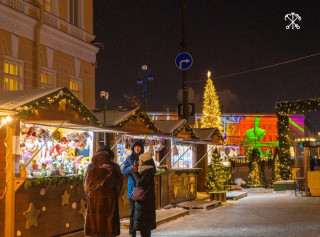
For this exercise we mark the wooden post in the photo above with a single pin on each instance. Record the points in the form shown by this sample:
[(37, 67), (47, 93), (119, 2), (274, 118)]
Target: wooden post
[(10, 176), (201, 177), (306, 165)]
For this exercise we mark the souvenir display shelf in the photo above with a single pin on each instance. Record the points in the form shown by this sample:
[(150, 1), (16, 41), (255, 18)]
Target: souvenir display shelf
[(48, 151)]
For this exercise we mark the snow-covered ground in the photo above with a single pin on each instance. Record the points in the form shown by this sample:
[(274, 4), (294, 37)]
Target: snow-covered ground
[(261, 213)]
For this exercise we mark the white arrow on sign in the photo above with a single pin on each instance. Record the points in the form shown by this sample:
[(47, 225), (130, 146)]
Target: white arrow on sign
[(183, 61)]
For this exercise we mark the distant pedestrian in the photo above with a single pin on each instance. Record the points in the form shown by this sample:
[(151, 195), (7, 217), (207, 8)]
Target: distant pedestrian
[(145, 211), (103, 184), (137, 149), (312, 163)]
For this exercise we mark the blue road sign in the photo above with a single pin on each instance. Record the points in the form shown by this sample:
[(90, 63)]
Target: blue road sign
[(184, 61)]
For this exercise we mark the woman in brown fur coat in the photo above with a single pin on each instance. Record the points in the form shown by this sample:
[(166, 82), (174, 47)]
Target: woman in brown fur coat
[(103, 185)]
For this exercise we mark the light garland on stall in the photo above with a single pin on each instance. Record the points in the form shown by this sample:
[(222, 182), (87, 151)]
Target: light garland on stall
[(283, 109), (64, 98), (188, 129), (53, 181), (145, 118)]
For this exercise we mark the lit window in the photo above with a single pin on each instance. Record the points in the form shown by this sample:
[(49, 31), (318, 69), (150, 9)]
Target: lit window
[(74, 12), (47, 79), (12, 78), (76, 88), (47, 6)]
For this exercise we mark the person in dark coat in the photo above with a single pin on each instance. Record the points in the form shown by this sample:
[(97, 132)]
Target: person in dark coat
[(103, 185), (137, 149), (144, 218)]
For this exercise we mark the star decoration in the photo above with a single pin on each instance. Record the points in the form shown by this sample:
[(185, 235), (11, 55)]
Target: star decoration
[(65, 198), (83, 209), (32, 216), (62, 104)]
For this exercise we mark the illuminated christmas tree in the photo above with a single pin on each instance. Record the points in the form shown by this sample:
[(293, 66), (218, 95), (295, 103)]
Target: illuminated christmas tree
[(256, 175), (276, 172), (219, 177), (211, 114)]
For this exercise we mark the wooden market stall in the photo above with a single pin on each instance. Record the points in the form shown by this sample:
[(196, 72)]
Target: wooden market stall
[(46, 146), (132, 125), (182, 177)]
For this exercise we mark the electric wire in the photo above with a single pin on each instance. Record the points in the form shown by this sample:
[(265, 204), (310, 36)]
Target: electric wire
[(260, 68)]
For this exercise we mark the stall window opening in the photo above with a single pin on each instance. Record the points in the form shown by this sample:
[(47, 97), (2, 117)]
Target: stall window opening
[(183, 158), (48, 151)]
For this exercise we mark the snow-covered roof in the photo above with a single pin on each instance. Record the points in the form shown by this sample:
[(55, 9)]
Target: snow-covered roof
[(114, 117), (10, 100), (168, 126), (206, 134)]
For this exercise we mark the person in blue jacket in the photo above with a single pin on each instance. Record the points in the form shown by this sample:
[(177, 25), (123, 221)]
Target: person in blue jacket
[(137, 149)]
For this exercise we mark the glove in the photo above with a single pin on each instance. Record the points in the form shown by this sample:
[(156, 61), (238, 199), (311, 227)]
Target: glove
[(134, 168)]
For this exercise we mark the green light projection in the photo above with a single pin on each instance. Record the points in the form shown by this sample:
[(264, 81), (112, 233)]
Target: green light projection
[(254, 137)]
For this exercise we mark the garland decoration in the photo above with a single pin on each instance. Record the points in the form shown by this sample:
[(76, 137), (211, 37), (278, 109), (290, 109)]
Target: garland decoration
[(56, 97), (161, 172), (53, 181), (283, 109), (139, 114), (188, 129)]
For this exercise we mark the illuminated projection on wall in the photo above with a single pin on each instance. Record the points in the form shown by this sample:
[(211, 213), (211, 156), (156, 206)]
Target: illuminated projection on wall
[(249, 130), (254, 138)]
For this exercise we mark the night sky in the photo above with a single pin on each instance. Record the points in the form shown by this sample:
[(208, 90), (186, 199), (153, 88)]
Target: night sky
[(223, 36)]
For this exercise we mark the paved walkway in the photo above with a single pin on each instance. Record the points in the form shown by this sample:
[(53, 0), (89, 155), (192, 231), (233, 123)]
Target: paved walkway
[(261, 213)]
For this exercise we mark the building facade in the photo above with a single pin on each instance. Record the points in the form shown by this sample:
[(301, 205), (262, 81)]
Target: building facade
[(257, 130), (45, 44)]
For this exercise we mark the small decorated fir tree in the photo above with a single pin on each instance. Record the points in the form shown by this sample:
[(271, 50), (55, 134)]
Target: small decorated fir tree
[(219, 177), (256, 174), (211, 114), (276, 174)]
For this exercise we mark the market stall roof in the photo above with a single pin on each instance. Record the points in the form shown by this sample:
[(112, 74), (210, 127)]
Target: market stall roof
[(133, 121), (10, 100), (51, 103), (168, 126), (209, 134), (177, 128), (114, 117)]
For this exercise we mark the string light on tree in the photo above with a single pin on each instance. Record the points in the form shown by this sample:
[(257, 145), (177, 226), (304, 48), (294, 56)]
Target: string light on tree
[(219, 177), (211, 114)]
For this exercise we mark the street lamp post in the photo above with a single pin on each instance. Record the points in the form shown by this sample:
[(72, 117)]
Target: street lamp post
[(104, 95), (144, 76)]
